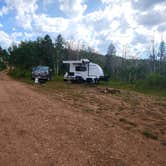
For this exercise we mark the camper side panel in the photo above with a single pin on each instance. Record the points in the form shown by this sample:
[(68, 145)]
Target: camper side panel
[(95, 70)]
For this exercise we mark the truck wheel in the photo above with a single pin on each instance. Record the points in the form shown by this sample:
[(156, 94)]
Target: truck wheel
[(79, 79)]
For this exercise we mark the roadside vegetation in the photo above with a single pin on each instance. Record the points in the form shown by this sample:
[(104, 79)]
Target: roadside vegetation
[(147, 76), (155, 84), (2, 66)]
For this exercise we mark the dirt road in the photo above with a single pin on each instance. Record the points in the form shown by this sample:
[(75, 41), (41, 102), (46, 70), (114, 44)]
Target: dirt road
[(37, 130)]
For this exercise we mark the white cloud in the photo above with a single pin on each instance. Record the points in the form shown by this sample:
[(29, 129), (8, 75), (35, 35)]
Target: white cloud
[(47, 2), (151, 18), (110, 1), (72, 8), (4, 11), (146, 4), (24, 11), (107, 25), (28, 35), (48, 24), (15, 35), (5, 40), (162, 27)]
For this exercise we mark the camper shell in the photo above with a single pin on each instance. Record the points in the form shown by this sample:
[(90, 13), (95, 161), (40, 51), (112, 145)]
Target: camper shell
[(83, 71)]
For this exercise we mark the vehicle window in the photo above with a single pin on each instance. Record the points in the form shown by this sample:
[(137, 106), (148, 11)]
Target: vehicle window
[(42, 68), (71, 73), (80, 68)]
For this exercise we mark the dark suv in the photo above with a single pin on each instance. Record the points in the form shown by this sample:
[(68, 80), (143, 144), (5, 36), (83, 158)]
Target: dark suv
[(41, 72)]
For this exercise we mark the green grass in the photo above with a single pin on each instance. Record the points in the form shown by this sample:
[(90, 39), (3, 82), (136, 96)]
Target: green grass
[(57, 78), (155, 92), (138, 87), (117, 84)]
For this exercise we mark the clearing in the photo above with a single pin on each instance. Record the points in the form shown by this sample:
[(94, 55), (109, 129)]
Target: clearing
[(77, 125)]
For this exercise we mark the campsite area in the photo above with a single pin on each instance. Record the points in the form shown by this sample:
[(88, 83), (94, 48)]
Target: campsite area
[(59, 124)]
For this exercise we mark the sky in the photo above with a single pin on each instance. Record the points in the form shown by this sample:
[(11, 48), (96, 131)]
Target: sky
[(130, 25)]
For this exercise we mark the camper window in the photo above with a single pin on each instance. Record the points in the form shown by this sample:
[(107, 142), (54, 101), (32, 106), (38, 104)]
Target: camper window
[(71, 73), (80, 68)]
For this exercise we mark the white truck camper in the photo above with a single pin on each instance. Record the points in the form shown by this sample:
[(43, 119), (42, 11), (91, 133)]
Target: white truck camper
[(83, 71)]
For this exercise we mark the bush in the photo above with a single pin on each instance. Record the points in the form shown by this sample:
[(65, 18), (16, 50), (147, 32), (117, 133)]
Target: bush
[(154, 81), (2, 66), (20, 73)]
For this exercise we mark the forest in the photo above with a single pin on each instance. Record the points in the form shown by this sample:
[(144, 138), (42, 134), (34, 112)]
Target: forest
[(43, 51)]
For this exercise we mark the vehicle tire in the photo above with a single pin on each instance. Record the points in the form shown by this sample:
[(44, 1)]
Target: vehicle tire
[(79, 79), (96, 81), (89, 80)]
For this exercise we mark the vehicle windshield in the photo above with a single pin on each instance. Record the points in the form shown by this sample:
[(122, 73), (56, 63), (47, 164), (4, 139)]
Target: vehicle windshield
[(42, 68)]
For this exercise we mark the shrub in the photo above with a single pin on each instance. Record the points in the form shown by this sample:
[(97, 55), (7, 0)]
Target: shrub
[(154, 81), (20, 73), (2, 66)]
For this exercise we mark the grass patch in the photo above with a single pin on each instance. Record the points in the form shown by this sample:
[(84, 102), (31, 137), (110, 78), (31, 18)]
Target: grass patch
[(148, 134), (117, 84), (57, 78), (57, 85), (139, 86), (127, 122), (153, 92)]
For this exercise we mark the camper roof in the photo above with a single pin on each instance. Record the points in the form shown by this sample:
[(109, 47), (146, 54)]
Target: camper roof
[(77, 61)]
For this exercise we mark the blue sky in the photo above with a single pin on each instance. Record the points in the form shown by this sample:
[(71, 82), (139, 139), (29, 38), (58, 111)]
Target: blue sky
[(129, 24)]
